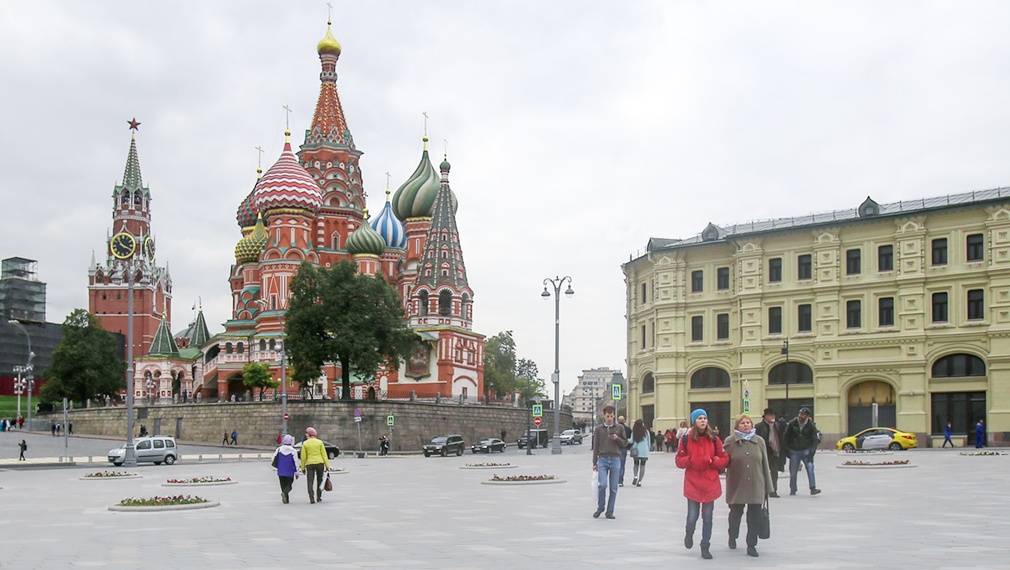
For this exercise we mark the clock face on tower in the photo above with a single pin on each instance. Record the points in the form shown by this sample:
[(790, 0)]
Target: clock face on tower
[(149, 248), (123, 245)]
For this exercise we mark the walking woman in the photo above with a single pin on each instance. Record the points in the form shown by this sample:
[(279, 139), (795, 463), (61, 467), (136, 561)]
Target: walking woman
[(286, 460), (748, 480), (314, 464), (640, 444), (701, 455)]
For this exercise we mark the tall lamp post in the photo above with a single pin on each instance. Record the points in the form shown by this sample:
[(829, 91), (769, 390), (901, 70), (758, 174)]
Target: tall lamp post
[(27, 370), (130, 457), (19, 386), (284, 390), (557, 282), (785, 351)]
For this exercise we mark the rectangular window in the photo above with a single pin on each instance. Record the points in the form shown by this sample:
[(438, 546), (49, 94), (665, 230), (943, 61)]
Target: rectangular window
[(885, 312), (976, 250), (697, 281), (976, 305), (643, 293), (805, 321), (722, 278), (697, 329), (804, 267), (853, 314), (722, 326), (939, 307), (775, 270), (853, 262), (940, 251), (885, 258), (643, 337), (774, 320)]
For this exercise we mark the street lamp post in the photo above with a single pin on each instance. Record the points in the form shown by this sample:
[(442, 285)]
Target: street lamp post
[(19, 386), (557, 282), (284, 390), (785, 351), (130, 457), (27, 370), (150, 390)]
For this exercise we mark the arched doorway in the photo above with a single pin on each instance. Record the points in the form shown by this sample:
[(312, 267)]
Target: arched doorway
[(862, 396), (371, 392)]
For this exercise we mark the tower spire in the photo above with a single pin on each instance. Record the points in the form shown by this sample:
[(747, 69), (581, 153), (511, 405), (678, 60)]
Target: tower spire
[(131, 176), (328, 123)]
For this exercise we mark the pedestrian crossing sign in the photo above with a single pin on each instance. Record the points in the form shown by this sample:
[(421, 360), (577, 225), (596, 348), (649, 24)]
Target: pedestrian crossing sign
[(538, 410), (617, 391), (389, 421)]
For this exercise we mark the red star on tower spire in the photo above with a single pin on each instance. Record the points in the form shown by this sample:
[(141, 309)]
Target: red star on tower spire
[(133, 124)]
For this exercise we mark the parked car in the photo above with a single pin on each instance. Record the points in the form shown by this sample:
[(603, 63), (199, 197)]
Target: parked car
[(488, 446), (152, 449), (332, 451), (571, 436), (444, 445), (879, 438), (536, 437)]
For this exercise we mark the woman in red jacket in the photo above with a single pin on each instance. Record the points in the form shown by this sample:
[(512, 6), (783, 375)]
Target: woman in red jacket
[(701, 455)]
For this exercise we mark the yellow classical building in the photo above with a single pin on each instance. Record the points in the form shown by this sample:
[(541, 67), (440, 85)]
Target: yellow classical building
[(904, 305)]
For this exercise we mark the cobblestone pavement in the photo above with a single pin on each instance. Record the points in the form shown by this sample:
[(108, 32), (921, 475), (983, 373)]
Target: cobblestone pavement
[(950, 511)]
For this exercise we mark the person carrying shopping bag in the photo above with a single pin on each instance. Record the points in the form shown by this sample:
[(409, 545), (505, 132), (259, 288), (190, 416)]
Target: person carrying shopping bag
[(286, 461), (701, 455), (748, 480), (314, 464)]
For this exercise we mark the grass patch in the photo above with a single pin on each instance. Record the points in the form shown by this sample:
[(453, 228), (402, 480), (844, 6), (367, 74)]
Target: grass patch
[(9, 406)]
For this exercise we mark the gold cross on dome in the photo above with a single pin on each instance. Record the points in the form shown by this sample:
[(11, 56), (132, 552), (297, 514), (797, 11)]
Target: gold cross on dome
[(388, 176), (287, 118), (425, 113), (259, 159)]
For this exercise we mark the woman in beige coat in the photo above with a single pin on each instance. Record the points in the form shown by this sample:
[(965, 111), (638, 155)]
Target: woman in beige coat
[(748, 480)]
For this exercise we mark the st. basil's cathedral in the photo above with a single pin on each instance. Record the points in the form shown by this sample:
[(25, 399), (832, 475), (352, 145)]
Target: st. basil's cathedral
[(308, 207)]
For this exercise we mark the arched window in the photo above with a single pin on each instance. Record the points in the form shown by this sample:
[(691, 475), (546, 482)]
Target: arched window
[(710, 377), (273, 344), (263, 344), (227, 348), (126, 198), (445, 303), (241, 348), (958, 365), (136, 198), (796, 372), (649, 384), (422, 299)]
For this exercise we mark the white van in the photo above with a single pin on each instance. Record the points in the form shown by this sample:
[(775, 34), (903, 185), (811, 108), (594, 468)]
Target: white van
[(151, 449)]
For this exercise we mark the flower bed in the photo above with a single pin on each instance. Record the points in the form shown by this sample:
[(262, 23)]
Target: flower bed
[(107, 475), (867, 463), (337, 471), (982, 453), (198, 482), (157, 503), (523, 480), (865, 452), (904, 463), (488, 465)]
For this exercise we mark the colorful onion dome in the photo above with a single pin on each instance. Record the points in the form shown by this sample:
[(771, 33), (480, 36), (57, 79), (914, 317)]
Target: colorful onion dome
[(365, 241), (329, 44), (389, 227), (246, 215), (287, 185), (444, 167), (415, 198), (248, 248)]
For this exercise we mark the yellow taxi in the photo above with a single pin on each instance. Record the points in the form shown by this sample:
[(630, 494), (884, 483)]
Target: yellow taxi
[(879, 438)]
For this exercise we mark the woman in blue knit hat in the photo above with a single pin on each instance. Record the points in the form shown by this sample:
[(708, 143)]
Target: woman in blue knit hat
[(701, 455)]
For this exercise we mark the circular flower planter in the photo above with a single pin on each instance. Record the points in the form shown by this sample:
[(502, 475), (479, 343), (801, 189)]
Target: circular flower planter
[(199, 484), (984, 454), (340, 472), (113, 478), (125, 509), (878, 466), (866, 453), (499, 466), (518, 480)]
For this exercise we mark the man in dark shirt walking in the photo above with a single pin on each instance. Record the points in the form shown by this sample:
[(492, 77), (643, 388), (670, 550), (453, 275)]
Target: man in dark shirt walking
[(608, 441), (771, 431), (801, 440)]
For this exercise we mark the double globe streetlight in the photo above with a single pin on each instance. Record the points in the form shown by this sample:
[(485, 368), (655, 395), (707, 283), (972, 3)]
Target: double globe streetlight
[(25, 369), (556, 283)]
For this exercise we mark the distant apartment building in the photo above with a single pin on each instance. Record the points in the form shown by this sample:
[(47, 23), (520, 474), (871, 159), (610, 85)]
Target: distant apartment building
[(22, 295), (587, 396)]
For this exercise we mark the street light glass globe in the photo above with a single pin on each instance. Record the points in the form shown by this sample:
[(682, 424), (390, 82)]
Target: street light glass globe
[(569, 292), (545, 295)]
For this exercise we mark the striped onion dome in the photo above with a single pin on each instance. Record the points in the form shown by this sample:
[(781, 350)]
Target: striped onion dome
[(287, 185), (415, 198), (248, 248), (389, 227), (246, 215), (365, 241)]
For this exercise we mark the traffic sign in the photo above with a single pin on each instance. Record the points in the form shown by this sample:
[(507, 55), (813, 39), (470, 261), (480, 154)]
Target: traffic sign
[(389, 421), (537, 421), (746, 405), (357, 419), (538, 410), (287, 417), (746, 384), (746, 393), (616, 389), (357, 413)]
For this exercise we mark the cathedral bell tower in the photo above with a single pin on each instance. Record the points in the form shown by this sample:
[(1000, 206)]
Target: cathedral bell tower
[(130, 249)]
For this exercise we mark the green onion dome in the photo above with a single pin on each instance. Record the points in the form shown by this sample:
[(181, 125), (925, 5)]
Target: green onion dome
[(248, 248), (415, 198), (365, 240)]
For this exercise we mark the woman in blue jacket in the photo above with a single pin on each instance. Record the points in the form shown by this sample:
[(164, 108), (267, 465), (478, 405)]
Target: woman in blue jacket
[(640, 451), (286, 460)]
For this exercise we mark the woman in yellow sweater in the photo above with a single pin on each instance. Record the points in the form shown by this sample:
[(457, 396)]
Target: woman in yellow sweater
[(314, 464)]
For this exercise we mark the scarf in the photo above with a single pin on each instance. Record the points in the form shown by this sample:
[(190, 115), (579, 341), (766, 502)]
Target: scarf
[(745, 436), (773, 438)]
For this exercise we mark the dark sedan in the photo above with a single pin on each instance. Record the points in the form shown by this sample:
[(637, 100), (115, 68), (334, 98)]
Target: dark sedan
[(332, 451), (488, 445)]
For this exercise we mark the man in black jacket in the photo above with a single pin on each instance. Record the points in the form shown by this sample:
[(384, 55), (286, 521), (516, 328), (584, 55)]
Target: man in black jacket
[(801, 441), (770, 430)]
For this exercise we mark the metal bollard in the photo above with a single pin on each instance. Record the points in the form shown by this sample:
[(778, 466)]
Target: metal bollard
[(199, 457)]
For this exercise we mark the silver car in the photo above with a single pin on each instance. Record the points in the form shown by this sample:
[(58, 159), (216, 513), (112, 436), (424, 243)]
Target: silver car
[(153, 449)]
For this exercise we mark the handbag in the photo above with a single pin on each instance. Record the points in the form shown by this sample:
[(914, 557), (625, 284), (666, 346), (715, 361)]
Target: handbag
[(274, 462), (328, 486), (765, 522), (634, 451)]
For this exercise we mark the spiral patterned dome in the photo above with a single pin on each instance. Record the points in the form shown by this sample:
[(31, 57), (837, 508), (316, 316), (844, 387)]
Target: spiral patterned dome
[(389, 227), (365, 241), (248, 248), (246, 215), (415, 198), (287, 185)]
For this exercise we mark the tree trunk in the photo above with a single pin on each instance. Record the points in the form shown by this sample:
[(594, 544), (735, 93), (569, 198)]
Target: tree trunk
[(345, 377)]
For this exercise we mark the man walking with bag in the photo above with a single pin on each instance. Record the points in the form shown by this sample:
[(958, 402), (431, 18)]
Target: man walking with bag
[(608, 443), (801, 440)]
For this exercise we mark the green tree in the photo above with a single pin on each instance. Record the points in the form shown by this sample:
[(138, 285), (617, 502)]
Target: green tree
[(500, 364), (257, 375), (337, 315), (85, 365), (528, 383)]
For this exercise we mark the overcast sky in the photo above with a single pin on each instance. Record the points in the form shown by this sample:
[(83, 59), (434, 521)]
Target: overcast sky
[(576, 130)]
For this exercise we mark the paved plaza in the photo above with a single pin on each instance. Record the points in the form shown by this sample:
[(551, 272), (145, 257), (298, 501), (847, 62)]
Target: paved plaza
[(410, 512)]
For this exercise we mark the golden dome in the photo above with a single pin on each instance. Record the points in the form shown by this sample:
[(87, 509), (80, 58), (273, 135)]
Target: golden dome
[(328, 44)]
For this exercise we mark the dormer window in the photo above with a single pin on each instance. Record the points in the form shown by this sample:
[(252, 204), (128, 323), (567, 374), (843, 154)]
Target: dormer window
[(868, 208)]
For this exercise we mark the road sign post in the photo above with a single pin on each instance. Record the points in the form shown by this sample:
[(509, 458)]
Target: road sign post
[(538, 410), (537, 421), (616, 392)]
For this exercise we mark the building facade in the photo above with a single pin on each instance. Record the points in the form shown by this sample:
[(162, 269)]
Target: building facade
[(22, 295), (586, 398), (904, 305)]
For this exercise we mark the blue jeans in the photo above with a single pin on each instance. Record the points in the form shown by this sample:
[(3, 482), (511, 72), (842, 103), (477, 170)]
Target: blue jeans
[(694, 508), (609, 472), (946, 440), (795, 457), (624, 461)]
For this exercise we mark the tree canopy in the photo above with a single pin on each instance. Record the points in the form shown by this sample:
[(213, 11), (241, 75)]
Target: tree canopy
[(338, 315), (85, 364), (504, 373), (257, 375)]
